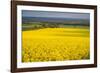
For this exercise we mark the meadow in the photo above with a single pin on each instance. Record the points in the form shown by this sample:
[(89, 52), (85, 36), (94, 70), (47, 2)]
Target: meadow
[(55, 44)]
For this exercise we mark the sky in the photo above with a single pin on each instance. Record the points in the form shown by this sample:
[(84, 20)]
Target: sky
[(32, 13)]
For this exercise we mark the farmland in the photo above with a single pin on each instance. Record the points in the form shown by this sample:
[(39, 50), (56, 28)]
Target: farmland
[(55, 44)]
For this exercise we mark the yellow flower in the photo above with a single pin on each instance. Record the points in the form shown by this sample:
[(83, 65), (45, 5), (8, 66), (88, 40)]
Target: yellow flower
[(55, 44)]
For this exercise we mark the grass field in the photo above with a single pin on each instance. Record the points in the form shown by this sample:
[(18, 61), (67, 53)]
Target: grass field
[(55, 44)]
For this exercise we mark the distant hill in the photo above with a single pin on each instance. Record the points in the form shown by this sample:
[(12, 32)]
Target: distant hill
[(55, 20)]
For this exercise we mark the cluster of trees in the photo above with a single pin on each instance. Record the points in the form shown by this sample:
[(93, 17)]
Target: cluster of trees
[(38, 25), (46, 25)]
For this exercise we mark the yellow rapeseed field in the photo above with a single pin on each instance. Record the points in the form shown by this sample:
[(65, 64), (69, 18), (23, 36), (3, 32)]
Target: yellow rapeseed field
[(55, 44)]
